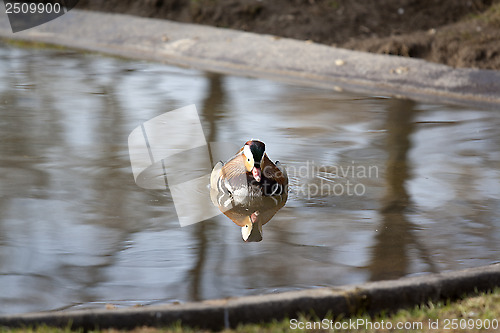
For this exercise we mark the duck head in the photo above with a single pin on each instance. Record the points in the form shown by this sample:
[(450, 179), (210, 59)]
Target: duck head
[(254, 151)]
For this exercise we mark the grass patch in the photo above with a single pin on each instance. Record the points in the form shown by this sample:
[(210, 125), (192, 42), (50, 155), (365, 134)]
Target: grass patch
[(492, 16)]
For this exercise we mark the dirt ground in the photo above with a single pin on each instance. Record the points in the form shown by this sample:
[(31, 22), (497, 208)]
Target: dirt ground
[(460, 33)]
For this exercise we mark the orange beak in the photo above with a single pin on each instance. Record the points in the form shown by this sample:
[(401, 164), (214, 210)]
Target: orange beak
[(256, 174)]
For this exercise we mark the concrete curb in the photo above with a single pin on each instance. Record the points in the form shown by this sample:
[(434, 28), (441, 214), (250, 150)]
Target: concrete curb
[(240, 53), (370, 298)]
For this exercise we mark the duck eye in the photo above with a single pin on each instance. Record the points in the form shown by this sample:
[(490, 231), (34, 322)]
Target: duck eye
[(248, 159)]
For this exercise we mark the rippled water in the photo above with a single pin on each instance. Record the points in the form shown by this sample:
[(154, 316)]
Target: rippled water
[(380, 187)]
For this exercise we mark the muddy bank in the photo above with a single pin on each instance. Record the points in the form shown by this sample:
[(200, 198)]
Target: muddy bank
[(462, 33)]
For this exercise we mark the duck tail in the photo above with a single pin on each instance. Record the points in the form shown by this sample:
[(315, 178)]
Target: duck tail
[(215, 176)]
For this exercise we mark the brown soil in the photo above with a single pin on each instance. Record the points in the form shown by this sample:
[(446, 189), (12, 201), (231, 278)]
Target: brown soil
[(461, 33)]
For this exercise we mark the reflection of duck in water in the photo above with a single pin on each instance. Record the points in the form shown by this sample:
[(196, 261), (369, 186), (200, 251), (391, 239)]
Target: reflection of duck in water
[(250, 173), (249, 189), (250, 213)]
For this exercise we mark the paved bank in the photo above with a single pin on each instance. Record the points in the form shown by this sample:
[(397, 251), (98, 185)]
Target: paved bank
[(235, 52), (218, 314)]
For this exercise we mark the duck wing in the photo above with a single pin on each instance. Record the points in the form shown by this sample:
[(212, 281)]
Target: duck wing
[(234, 173), (234, 168), (274, 172)]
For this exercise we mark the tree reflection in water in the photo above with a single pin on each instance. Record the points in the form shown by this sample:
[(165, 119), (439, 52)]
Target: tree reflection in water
[(396, 235)]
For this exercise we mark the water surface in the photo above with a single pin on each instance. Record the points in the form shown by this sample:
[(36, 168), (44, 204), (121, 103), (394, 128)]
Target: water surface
[(77, 232)]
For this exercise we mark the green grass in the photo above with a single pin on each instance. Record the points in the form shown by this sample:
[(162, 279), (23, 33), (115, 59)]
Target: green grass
[(491, 16), (471, 310)]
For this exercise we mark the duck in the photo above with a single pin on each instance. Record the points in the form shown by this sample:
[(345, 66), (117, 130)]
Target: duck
[(250, 173)]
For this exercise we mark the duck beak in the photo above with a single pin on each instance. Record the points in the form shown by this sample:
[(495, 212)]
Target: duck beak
[(256, 174)]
